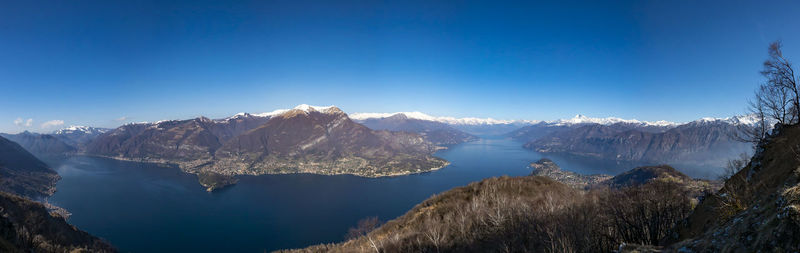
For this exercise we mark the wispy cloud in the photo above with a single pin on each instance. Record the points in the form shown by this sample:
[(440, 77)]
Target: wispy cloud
[(23, 123), (52, 123), (123, 118)]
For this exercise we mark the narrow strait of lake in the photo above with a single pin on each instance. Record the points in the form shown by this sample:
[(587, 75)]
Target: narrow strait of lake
[(147, 208)]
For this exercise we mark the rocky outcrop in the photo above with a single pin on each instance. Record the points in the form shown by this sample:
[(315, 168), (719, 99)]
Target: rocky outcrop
[(758, 209)]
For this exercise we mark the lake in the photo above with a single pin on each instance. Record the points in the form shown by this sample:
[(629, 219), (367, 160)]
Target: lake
[(142, 207)]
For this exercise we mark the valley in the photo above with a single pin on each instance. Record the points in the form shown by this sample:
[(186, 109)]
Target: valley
[(178, 167), (399, 126)]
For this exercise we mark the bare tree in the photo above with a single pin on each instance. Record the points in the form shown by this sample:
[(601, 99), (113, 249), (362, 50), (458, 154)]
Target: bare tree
[(781, 77), (777, 100), (754, 134), (734, 165), (365, 226)]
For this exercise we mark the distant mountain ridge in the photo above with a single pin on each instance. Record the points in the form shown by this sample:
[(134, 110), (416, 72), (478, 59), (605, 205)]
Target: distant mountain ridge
[(78, 135), (704, 142), (23, 174), (41, 144), (436, 132)]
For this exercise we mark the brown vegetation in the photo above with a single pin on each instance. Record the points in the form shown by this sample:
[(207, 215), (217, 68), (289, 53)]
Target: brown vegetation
[(528, 214)]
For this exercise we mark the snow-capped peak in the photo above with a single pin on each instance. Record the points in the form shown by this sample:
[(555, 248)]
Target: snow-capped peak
[(448, 120), (749, 119), (303, 107), (582, 119), (80, 129)]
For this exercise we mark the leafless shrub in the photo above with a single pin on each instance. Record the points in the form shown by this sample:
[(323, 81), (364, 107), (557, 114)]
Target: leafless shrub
[(364, 227), (734, 165)]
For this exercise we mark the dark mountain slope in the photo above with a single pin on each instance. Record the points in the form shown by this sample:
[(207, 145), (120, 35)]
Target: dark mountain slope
[(168, 141), (23, 174), (704, 143), (186, 141), (642, 175), (436, 132), (27, 226), (41, 144), (582, 130)]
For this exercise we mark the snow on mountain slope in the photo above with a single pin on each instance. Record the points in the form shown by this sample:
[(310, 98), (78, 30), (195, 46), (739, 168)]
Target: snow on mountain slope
[(302, 107), (448, 120), (578, 119), (750, 119), (81, 129), (581, 119), (474, 121)]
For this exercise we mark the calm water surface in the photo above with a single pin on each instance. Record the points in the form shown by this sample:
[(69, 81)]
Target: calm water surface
[(146, 208)]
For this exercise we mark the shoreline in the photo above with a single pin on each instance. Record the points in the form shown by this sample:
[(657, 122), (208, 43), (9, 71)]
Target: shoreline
[(210, 187)]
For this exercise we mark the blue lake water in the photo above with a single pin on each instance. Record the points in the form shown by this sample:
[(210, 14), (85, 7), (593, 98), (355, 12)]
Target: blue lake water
[(147, 208)]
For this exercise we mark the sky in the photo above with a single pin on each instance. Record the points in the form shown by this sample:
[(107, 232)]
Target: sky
[(105, 63)]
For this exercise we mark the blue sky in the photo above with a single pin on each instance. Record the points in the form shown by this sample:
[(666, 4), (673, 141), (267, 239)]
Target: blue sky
[(101, 63)]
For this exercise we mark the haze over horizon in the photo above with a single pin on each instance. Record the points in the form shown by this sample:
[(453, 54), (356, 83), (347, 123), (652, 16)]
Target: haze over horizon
[(103, 64)]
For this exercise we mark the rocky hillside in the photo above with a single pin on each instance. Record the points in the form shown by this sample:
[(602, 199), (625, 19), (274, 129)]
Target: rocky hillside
[(176, 140), (758, 209), (27, 226), (192, 141), (301, 140), (436, 132), (23, 174), (41, 145)]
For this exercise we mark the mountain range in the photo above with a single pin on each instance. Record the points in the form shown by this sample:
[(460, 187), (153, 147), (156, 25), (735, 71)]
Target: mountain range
[(436, 132), (325, 140), (306, 139), (705, 142)]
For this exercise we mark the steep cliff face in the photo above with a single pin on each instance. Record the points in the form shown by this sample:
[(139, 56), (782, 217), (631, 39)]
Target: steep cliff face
[(758, 209), (23, 174)]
